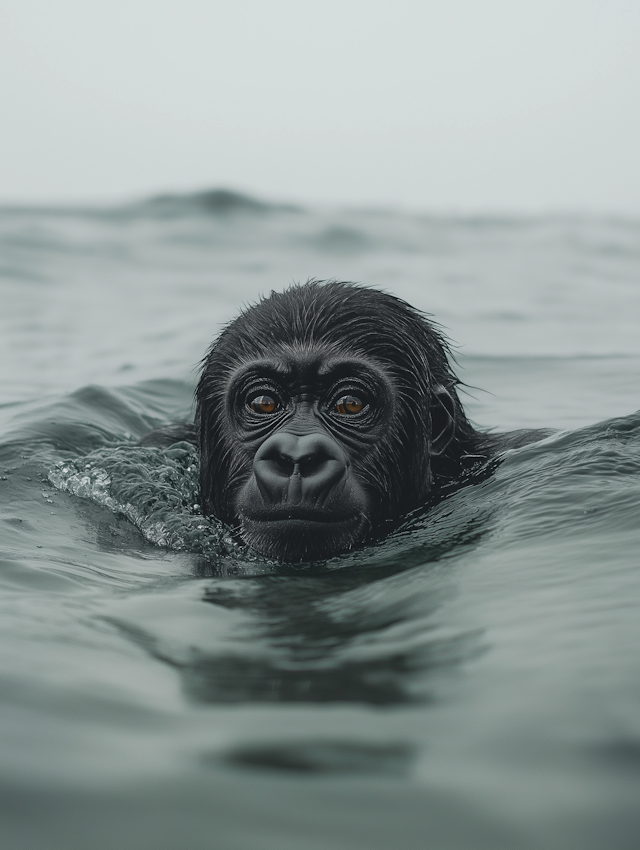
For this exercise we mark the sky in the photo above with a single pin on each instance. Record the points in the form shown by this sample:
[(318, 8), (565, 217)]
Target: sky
[(457, 105)]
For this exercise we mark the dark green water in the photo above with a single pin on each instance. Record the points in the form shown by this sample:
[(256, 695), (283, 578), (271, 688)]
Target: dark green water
[(472, 682)]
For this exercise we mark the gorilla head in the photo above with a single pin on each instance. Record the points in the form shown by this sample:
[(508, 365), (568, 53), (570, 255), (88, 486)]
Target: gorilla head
[(324, 413)]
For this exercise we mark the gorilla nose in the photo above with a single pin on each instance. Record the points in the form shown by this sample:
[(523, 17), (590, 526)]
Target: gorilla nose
[(298, 469)]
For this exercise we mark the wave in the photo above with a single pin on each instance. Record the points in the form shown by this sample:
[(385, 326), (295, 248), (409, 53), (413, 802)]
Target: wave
[(548, 489), (219, 202)]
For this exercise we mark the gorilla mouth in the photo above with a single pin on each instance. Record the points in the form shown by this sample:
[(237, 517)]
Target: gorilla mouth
[(302, 534), (299, 513)]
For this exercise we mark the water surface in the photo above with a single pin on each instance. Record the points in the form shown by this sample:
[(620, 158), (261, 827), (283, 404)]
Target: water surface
[(473, 681)]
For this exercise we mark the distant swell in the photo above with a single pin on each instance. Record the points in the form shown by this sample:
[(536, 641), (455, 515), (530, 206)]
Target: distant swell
[(218, 202)]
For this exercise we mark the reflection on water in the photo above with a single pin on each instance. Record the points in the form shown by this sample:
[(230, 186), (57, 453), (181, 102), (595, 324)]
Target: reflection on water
[(319, 644), (326, 757)]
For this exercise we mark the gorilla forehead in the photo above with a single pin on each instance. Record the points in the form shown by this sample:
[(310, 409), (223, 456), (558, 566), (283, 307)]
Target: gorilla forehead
[(341, 320), (327, 313)]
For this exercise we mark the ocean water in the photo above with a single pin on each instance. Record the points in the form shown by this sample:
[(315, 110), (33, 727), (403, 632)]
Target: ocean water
[(471, 682)]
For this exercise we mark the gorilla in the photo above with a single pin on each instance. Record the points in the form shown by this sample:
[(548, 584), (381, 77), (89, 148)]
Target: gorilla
[(325, 414)]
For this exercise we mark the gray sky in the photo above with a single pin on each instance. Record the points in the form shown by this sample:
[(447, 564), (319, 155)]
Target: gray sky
[(456, 104)]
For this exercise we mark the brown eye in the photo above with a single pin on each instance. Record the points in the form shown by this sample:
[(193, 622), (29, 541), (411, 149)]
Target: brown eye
[(263, 404), (348, 405)]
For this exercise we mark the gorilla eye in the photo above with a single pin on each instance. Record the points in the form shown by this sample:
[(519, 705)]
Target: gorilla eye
[(263, 404), (348, 405)]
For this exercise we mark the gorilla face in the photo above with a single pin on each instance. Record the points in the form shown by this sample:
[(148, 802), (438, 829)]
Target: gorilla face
[(306, 421), (322, 414)]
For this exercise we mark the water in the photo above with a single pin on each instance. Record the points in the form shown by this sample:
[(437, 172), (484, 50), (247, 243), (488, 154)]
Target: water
[(473, 681)]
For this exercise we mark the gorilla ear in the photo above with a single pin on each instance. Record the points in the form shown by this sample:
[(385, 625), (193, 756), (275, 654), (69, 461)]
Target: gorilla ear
[(443, 420)]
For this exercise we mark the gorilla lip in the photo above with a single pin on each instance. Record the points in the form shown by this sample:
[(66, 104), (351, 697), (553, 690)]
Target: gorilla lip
[(298, 513)]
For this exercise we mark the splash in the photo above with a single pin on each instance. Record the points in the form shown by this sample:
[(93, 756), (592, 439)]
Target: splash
[(156, 489)]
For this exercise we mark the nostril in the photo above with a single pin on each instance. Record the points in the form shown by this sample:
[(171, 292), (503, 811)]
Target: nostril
[(286, 465), (311, 463), (277, 462)]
